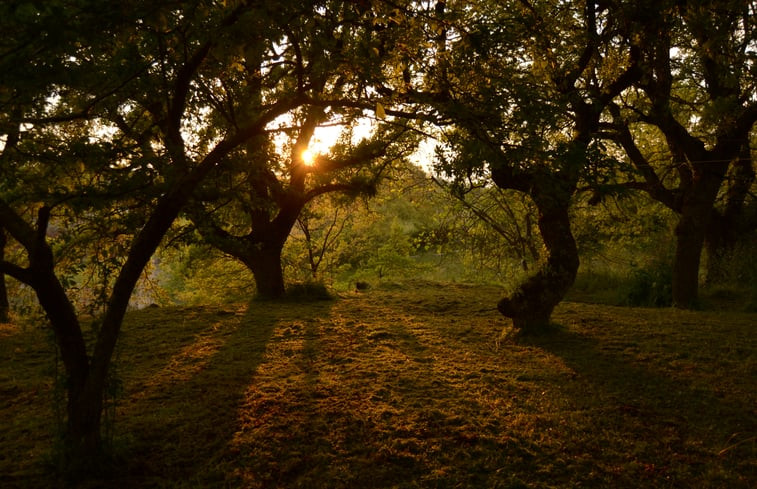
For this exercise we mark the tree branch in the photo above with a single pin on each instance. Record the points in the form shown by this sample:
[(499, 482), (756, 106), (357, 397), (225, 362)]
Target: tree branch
[(21, 231), (654, 185), (23, 275)]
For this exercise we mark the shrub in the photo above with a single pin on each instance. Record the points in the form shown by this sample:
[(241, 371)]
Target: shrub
[(650, 286), (308, 292)]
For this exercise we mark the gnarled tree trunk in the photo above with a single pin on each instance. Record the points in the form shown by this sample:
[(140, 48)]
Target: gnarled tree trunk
[(84, 400), (259, 250), (531, 305)]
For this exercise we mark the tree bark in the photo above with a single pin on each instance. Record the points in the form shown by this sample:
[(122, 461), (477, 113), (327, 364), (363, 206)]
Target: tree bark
[(264, 261), (689, 242), (82, 433), (260, 249), (84, 404)]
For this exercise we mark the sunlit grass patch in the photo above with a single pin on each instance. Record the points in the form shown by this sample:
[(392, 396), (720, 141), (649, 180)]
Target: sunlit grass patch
[(415, 387)]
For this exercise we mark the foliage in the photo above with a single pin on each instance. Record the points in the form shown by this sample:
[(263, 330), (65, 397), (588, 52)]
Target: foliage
[(650, 286), (625, 248), (308, 291), (196, 274), (414, 226), (114, 120), (737, 277), (310, 251), (694, 101), (250, 212), (132, 107)]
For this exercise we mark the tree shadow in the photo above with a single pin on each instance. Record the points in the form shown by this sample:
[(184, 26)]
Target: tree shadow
[(377, 412), (179, 419), (679, 420)]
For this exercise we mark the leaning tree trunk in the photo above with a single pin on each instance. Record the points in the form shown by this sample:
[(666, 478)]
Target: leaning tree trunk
[(84, 401), (531, 305)]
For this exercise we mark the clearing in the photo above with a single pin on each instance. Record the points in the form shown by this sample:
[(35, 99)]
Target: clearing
[(405, 387)]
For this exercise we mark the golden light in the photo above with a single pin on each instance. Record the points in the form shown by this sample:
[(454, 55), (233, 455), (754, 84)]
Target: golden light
[(308, 157)]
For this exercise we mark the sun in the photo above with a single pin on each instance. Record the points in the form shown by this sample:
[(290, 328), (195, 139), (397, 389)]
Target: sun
[(308, 156)]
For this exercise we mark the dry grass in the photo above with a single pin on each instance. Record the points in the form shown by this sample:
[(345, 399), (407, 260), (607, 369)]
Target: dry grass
[(408, 387)]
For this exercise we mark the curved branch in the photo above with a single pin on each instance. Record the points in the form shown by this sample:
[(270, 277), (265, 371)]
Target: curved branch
[(654, 186), (181, 93), (21, 230)]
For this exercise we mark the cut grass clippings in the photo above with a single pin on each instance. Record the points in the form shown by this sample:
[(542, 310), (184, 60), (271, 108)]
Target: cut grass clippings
[(407, 387)]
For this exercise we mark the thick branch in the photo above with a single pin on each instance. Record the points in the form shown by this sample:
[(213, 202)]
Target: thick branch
[(21, 231), (653, 186), (149, 237), (17, 272)]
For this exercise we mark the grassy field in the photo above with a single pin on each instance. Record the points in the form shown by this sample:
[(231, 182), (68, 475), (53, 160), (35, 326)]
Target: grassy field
[(406, 387)]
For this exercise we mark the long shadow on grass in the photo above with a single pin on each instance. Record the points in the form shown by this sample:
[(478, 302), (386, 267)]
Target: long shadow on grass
[(689, 431), (377, 413), (184, 418)]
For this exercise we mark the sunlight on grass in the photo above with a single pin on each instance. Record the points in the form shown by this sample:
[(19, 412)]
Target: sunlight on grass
[(415, 388), (8, 329), (186, 363)]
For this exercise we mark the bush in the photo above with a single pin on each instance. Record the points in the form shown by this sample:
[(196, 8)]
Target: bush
[(308, 292), (650, 286)]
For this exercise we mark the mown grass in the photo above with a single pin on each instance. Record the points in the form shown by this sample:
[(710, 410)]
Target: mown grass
[(407, 387)]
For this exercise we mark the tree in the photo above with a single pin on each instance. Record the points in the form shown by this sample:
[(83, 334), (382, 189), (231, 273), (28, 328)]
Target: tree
[(269, 182), (119, 121), (525, 86), (697, 91), (267, 194)]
